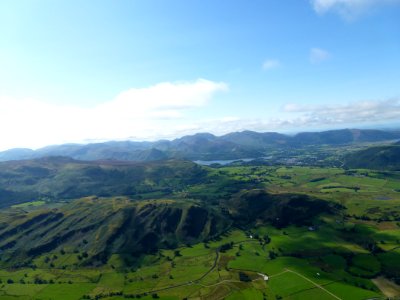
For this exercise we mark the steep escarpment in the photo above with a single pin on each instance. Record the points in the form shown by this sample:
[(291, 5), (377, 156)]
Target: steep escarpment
[(102, 227)]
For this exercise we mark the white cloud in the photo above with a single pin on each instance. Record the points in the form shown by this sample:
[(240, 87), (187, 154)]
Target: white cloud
[(353, 113), (161, 111), (349, 8), (140, 112), (297, 117), (270, 64), (318, 55)]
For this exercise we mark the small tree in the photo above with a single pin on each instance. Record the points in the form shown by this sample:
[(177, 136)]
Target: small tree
[(272, 254)]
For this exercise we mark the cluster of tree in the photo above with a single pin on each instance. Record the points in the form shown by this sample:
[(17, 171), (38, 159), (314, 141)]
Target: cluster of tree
[(272, 254), (226, 247), (244, 277), (35, 281), (100, 296)]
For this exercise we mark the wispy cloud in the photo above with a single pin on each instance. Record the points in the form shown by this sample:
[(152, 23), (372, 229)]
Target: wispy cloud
[(354, 113), (141, 112), (349, 8), (270, 64), (318, 55), (304, 117)]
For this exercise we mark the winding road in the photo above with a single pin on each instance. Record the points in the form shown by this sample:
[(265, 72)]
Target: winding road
[(217, 255), (190, 282)]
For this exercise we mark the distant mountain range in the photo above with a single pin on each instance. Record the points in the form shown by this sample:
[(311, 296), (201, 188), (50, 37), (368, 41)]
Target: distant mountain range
[(203, 146)]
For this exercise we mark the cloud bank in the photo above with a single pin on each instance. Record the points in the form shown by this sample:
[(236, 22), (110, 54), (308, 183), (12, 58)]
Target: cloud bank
[(136, 113), (295, 117), (308, 117), (162, 111)]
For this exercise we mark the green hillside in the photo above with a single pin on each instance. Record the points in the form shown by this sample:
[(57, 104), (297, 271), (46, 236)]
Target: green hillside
[(100, 227), (57, 178), (378, 158), (281, 210)]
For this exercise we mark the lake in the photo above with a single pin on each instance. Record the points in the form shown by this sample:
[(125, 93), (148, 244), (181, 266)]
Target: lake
[(221, 162)]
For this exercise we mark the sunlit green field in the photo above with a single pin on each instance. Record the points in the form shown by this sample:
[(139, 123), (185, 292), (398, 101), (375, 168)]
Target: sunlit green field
[(178, 275)]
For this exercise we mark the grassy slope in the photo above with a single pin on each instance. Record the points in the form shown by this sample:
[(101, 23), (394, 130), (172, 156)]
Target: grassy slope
[(57, 178), (291, 278), (100, 227), (380, 158)]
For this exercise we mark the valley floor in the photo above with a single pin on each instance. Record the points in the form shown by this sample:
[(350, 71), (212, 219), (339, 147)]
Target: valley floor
[(203, 271)]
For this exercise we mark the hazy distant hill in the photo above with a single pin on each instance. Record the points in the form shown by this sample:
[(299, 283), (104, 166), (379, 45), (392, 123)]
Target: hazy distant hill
[(209, 147), (203, 146), (379, 158), (65, 178), (17, 153), (344, 136), (256, 139)]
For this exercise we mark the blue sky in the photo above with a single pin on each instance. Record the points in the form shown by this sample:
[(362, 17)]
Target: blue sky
[(79, 71)]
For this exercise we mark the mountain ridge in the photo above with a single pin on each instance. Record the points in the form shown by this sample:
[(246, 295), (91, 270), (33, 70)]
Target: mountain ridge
[(203, 146), (104, 226)]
